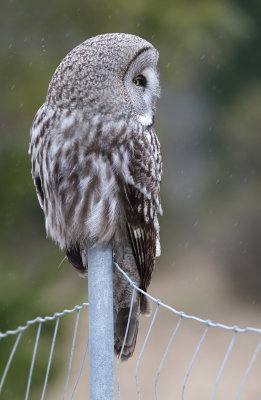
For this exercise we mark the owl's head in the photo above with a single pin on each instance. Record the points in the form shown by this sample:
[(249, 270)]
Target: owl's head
[(110, 74)]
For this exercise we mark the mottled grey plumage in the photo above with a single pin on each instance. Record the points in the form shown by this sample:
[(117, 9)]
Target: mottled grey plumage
[(96, 163)]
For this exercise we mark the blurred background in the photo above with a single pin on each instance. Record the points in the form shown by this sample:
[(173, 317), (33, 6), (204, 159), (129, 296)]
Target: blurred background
[(208, 122)]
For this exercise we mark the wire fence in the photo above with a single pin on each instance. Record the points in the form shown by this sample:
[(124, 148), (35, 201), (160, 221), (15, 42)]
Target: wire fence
[(187, 385)]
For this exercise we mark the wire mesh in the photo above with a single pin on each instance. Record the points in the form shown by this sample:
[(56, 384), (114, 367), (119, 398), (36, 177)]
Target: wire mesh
[(187, 366)]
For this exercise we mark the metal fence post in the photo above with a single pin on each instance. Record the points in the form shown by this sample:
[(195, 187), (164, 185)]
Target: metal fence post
[(101, 336)]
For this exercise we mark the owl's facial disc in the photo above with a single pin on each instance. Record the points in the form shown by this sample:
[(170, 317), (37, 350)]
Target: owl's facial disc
[(141, 83)]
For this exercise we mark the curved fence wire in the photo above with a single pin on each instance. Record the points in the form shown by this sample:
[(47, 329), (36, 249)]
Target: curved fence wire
[(69, 391)]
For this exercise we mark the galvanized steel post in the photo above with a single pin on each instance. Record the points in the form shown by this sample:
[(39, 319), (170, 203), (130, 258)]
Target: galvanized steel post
[(101, 335)]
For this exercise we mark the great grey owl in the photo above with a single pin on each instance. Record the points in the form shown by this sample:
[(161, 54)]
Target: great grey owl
[(96, 164)]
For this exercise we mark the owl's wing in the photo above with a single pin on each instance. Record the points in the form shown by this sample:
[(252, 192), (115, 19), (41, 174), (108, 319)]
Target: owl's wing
[(39, 190), (142, 235), (38, 130), (143, 203)]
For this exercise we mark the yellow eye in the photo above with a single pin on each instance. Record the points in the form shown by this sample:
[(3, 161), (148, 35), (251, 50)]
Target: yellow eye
[(140, 80)]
